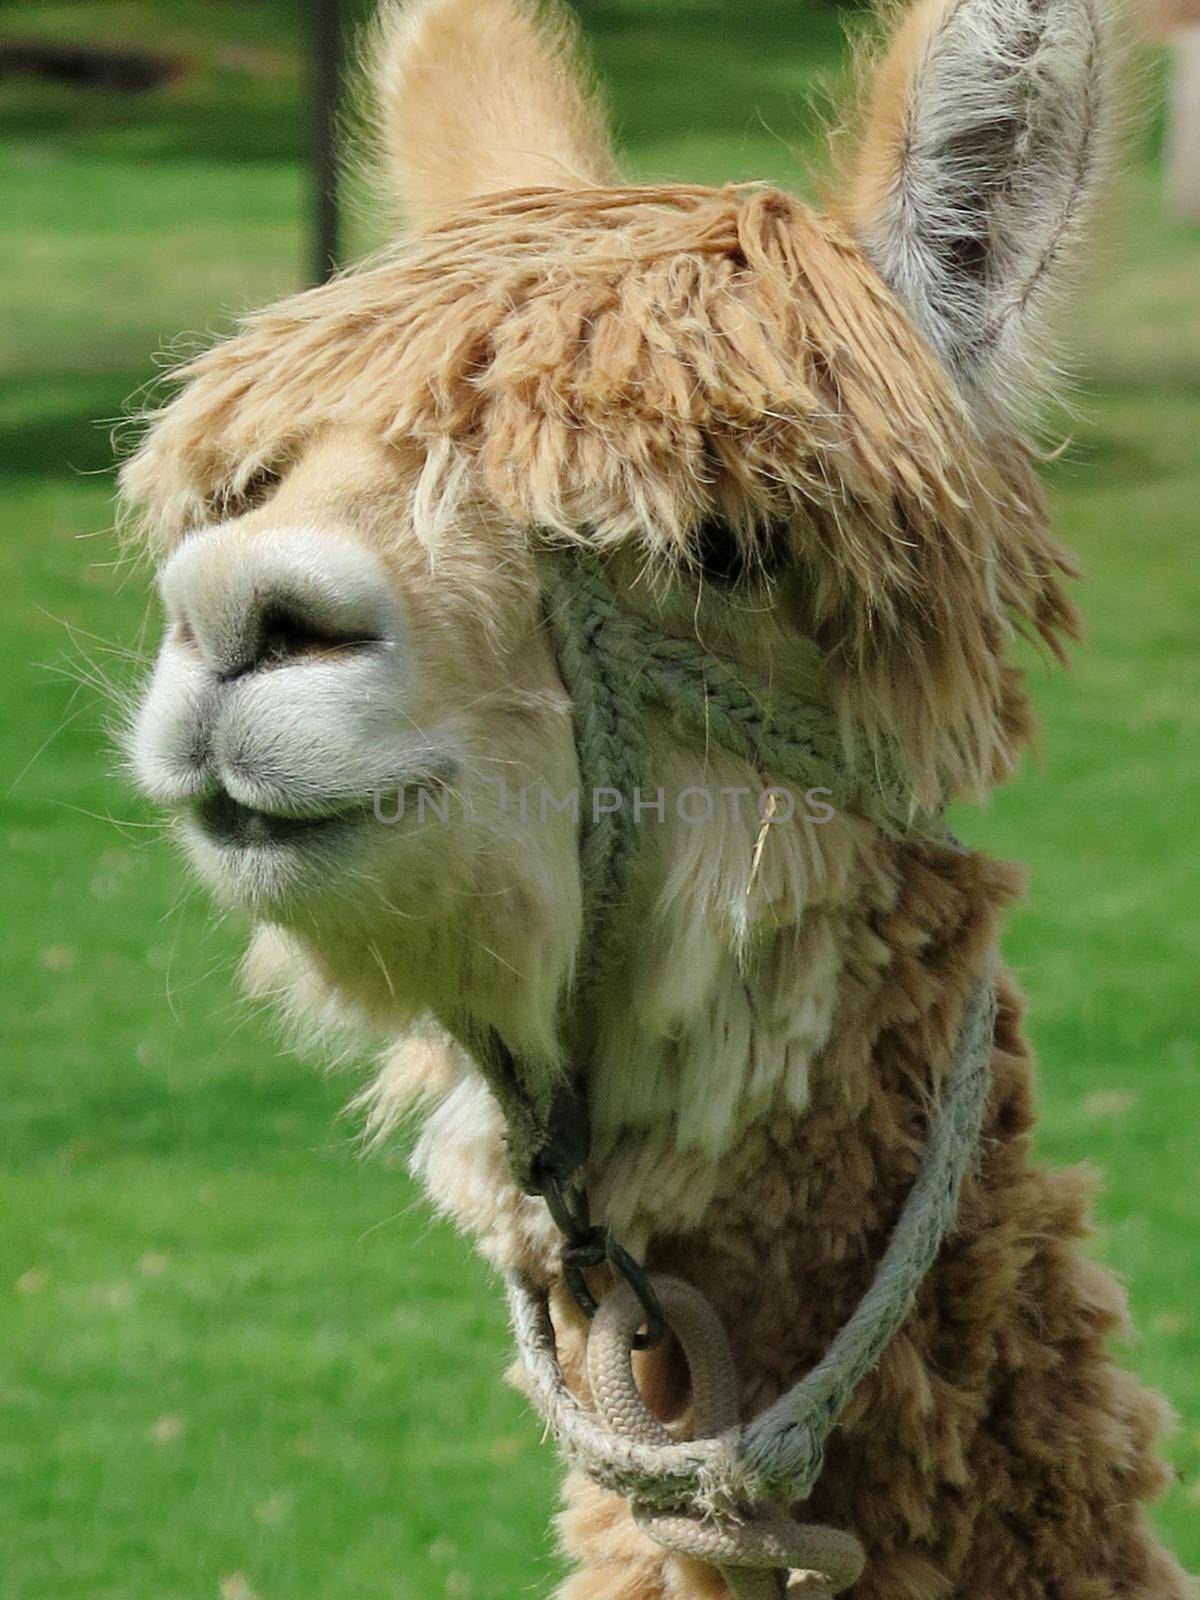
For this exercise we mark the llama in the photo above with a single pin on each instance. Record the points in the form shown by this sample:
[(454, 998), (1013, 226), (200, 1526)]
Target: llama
[(798, 444)]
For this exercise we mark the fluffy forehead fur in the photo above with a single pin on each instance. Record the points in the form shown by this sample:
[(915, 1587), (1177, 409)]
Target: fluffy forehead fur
[(618, 365), (626, 366), (612, 363)]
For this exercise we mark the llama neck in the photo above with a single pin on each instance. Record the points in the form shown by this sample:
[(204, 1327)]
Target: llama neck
[(708, 1050), (724, 1002)]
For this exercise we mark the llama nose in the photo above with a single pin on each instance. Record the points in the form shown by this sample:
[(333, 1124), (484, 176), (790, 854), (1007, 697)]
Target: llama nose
[(276, 598)]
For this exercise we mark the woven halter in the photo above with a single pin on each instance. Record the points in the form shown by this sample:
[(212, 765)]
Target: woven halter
[(711, 1497), (613, 665)]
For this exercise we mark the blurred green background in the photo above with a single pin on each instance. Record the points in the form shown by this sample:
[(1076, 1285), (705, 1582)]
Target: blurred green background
[(236, 1361)]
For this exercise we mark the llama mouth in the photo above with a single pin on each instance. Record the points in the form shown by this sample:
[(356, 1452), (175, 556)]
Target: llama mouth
[(226, 821)]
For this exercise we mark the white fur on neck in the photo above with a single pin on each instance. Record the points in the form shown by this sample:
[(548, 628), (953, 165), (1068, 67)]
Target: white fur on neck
[(727, 996)]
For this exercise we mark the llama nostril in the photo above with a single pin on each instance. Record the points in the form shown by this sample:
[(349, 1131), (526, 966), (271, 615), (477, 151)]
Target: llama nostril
[(284, 597), (289, 633)]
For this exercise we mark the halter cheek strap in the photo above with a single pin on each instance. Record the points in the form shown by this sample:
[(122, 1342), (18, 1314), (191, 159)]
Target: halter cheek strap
[(699, 1496), (614, 664)]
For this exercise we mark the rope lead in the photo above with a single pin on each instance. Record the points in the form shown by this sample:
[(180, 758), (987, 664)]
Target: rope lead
[(777, 1458), (749, 1550)]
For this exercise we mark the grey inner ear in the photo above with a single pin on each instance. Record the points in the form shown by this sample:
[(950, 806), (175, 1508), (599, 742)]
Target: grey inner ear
[(970, 252), (996, 162), (988, 157), (982, 169)]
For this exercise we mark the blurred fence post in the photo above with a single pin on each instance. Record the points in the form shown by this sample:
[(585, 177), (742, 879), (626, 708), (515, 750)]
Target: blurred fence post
[(1183, 126), (325, 74)]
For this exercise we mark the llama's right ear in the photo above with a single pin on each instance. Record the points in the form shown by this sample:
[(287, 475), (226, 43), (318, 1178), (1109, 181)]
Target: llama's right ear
[(984, 139), (477, 96)]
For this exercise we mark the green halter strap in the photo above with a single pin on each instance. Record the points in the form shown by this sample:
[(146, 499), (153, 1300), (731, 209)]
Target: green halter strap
[(716, 1498), (613, 663)]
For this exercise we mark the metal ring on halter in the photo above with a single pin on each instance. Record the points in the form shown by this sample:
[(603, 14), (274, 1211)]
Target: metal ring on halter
[(587, 1245)]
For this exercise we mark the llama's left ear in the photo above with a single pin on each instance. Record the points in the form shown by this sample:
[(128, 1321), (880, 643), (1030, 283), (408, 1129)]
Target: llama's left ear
[(984, 140), (477, 96)]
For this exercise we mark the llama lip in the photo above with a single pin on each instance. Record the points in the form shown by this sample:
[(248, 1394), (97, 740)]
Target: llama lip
[(226, 821)]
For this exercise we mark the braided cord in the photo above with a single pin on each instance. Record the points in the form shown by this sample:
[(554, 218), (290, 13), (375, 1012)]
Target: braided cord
[(598, 662), (791, 737)]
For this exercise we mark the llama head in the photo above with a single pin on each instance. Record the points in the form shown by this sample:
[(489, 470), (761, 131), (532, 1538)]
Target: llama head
[(797, 436)]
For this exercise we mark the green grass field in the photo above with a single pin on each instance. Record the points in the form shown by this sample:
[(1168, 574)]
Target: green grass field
[(235, 1360)]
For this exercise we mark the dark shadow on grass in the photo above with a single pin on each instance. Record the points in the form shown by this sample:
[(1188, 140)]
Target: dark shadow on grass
[(76, 438)]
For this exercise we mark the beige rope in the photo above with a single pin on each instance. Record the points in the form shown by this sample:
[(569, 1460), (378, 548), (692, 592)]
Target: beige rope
[(753, 1548), (777, 1457)]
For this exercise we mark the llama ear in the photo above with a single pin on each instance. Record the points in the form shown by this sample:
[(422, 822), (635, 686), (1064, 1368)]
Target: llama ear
[(984, 141), (477, 96)]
